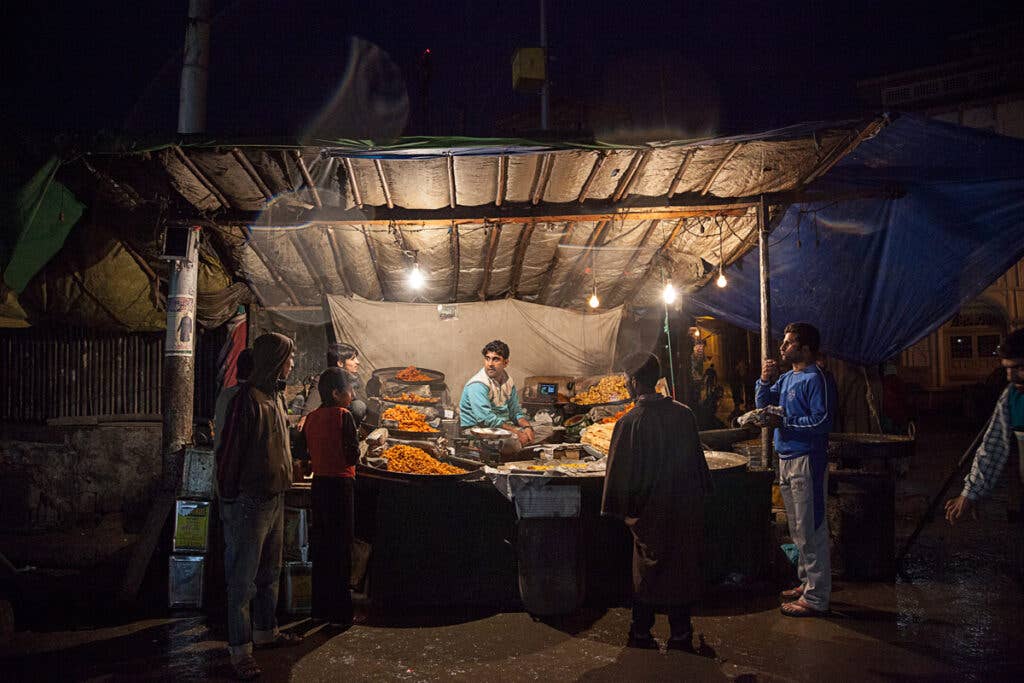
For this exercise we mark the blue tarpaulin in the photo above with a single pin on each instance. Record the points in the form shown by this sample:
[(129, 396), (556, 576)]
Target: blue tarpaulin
[(877, 275)]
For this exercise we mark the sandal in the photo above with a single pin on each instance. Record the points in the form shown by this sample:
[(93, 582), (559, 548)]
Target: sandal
[(792, 593), (246, 669), (280, 640), (799, 608)]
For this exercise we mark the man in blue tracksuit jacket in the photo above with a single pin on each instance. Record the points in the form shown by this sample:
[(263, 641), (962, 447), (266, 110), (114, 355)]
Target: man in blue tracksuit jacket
[(807, 397)]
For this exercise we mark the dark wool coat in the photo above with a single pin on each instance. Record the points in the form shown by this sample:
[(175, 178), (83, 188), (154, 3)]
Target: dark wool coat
[(656, 481)]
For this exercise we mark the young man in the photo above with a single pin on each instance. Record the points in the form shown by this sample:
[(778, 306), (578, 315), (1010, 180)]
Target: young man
[(999, 440), (807, 398), (254, 470), (656, 481), (490, 398), (346, 357)]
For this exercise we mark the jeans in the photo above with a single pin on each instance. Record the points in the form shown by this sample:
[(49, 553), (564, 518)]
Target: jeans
[(679, 622), (803, 494), (331, 545), (253, 541)]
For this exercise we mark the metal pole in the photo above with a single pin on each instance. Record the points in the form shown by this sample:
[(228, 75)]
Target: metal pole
[(545, 93), (762, 245), (195, 69), (178, 387), (668, 344)]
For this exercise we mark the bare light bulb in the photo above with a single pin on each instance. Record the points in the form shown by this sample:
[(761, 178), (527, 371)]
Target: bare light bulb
[(721, 281), (668, 295), (594, 301), (416, 278)]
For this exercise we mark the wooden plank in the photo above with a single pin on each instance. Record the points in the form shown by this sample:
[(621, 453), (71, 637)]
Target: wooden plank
[(273, 272), (357, 195), (454, 248), (251, 171), (307, 179), (543, 176), (202, 179), (307, 260), (636, 166), (680, 172), (718, 169), (840, 151), (492, 248), (594, 170), (519, 257), (383, 183), (339, 262), (451, 181), (376, 264), (499, 195)]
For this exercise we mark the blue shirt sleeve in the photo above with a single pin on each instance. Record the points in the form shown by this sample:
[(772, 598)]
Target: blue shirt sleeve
[(475, 408), (766, 394)]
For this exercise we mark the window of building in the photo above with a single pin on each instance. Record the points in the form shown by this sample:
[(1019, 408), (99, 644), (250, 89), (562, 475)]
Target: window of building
[(987, 345), (962, 347)]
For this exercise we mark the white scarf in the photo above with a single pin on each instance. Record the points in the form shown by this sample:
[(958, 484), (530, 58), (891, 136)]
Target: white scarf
[(498, 392)]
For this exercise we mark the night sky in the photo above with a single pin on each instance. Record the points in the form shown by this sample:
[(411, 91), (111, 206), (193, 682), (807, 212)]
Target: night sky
[(694, 67)]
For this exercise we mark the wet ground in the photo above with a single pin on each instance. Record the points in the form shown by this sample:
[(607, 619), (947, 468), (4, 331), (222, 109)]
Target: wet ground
[(956, 616)]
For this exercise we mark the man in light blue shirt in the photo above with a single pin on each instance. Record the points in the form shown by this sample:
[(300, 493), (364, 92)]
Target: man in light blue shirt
[(490, 397)]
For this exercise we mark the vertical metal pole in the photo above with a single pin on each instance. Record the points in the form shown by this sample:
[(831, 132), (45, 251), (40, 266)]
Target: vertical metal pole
[(195, 70), (545, 93), (178, 385), (762, 245), (668, 344)]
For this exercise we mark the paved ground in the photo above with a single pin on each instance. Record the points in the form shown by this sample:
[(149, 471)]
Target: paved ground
[(958, 618)]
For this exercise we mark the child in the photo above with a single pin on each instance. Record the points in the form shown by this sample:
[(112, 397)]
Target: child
[(333, 449)]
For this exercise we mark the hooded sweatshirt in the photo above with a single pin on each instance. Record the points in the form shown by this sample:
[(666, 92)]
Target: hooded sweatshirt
[(255, 456)]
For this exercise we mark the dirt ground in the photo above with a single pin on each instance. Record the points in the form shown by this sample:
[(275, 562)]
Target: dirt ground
[(956, 616)]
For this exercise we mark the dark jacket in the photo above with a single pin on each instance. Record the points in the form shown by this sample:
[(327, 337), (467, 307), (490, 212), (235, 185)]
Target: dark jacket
[(656, 481)]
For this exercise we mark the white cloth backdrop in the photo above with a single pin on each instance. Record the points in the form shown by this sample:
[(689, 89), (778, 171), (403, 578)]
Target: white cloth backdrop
[(543, 340)]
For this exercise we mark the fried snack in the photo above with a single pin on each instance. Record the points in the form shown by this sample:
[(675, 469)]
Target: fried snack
[(412, 374), (615, 418), (406, 397), (599, 436), (412, 460), (408, 419), (610, 389)]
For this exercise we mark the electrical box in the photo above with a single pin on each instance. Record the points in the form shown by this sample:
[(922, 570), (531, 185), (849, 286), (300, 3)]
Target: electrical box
[(529, 69), (179, 242)]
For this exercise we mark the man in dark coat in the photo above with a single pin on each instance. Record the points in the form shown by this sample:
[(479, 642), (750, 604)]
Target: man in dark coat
[(656, 481)]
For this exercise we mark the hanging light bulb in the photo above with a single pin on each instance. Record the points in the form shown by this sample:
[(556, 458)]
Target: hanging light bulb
[(594, 301), (416, 278), (721, 281), (668, 295)]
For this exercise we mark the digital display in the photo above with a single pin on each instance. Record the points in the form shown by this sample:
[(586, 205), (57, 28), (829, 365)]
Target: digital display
[(548, 390)]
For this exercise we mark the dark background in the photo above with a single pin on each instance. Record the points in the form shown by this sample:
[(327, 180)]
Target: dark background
[(691, 68)]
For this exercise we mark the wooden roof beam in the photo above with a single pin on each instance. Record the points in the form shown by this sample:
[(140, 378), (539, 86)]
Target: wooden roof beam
[(357, 195), (633, 171), (372, 251), (202, 179), (251, 171), (455, 252), (492, 249), (451, 181), (665, 246), (575, 278), (718, 170), (519, 257), (541, 179), (841, 150), (339, 261), (307, 260), (307, 179), (542, 296), (678, 178), (275, 276), (631, 261), (499, 194), (384, 183), (594, 170)]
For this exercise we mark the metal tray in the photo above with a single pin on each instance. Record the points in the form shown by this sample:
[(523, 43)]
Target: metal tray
[(388, 375)]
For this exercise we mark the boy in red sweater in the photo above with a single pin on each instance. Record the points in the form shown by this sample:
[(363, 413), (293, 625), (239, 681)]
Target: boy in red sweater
[(333, 449)]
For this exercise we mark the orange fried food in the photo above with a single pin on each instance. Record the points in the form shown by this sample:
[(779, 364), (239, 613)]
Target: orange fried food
[(412, 460), (408, 419), (610, 389), (406, 397), (615, 418), (411, 374)]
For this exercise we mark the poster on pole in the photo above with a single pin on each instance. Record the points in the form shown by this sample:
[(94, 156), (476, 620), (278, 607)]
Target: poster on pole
[(181, 326)]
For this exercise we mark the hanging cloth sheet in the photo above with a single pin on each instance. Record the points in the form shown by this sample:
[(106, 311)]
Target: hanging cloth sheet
[(542, 340)]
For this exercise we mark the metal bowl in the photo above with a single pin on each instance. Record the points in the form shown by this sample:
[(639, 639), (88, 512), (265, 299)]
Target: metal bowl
[(490, 432), (388, 375)]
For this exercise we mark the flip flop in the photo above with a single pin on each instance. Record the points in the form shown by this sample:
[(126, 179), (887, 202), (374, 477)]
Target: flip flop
[(246, 669), (792, 593), (281, 640), (799, 608)]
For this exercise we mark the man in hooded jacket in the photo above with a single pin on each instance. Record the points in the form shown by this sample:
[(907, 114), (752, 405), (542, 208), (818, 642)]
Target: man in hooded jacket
[(254, 469), (656, 481)]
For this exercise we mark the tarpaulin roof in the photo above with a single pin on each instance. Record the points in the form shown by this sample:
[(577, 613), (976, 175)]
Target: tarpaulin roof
[(876, 275), (551, 223)]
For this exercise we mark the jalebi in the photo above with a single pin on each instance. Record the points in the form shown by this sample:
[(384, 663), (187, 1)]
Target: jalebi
[(412, 374), (408, 419), (412, 460), (610, 389), (615, 418), (406, 397)]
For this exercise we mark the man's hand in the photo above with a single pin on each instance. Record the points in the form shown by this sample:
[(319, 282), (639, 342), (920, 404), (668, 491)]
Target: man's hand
[(956, 507), (301, 424), (525, 436), (769, 370)]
